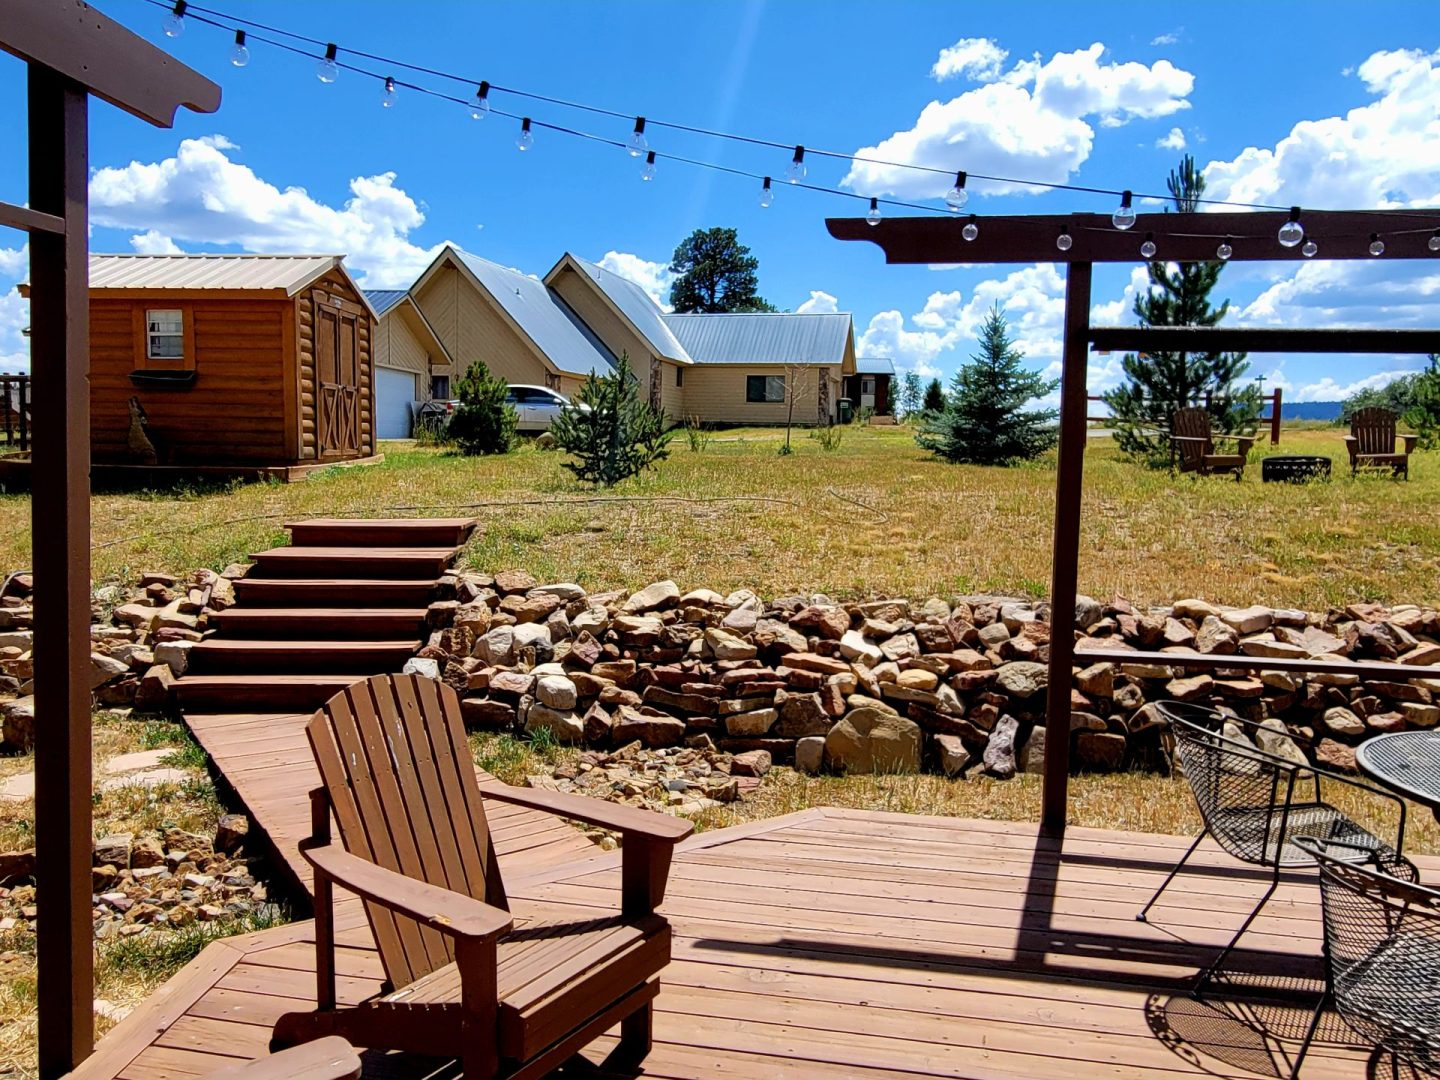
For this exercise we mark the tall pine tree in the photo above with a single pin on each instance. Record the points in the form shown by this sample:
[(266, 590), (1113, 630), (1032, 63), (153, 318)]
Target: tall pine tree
[(985, 420), (1159, 383), (934, 397)]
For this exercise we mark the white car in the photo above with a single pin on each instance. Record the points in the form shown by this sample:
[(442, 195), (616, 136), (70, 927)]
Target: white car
[(538, 406)]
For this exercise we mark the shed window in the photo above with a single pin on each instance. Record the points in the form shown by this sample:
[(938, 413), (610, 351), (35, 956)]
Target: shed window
[(765, 388), (165, 334)]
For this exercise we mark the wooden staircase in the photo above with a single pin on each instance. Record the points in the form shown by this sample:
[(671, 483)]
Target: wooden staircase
[(346, 599)]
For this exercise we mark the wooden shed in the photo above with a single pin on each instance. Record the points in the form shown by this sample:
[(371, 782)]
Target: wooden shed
[(250, 362)]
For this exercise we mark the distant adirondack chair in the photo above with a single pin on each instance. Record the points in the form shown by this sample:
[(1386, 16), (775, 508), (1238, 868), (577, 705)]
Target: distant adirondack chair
[(1192, 445), (509, 994), (1371, 441)]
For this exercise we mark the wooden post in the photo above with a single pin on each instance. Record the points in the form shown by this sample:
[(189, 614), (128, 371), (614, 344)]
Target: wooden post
[(1065, 547), (1275, 418), (60, 528)]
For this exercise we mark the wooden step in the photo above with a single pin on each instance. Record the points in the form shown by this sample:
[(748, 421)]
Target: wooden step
[(352, 562), (301, 693), (319, 624), (327, 592), (380, 532), (237, 655)]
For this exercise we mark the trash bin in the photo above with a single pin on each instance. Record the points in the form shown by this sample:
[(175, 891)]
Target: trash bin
[(847, 412)]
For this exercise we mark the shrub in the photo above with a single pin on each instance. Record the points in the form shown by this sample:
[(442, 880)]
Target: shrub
[(483, 422), (697, 434), (830, 436), (617, 435), (1424, 412)]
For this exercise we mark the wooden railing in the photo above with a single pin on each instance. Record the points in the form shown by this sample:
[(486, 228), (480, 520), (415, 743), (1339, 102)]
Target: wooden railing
[(1272, 418), (15, 404)]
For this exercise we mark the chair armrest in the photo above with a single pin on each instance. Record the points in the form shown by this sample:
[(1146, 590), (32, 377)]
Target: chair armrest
[(1410, 442), (1351, 440), (626, 820), (440, 909), (1190, 438), (330, 1058)]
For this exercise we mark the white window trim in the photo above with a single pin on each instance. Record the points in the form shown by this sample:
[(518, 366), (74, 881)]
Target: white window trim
[(152, 335)]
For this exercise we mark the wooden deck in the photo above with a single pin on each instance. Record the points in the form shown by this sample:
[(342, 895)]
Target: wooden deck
[(864, 945)]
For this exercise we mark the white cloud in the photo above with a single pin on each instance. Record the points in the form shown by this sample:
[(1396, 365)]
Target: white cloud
[(1327, 389), (1120, 311), (153, 242), (1369, 293), (202, 195), (974, 58), (15, 262), (654, 277), (820, 303), (1383, 154), (1174, 139), (1170, 37), (1032, 121), (14, 310)]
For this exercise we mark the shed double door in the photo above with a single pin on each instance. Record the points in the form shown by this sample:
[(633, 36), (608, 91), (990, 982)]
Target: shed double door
[(337, 376)]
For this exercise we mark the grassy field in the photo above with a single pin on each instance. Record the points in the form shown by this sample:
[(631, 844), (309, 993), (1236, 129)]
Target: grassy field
[(876, 516)]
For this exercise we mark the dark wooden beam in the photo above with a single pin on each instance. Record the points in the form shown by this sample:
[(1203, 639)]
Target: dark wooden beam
[(1189, 659), (1065, 547), (72, 38), (22, 217), (1202, 339), (60, 529), (1178, 237)]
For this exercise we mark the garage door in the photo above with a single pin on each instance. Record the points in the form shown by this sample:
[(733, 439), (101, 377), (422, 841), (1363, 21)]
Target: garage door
[(394, 391)]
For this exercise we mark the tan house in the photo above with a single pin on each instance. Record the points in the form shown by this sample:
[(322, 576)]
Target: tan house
[(412, 365)]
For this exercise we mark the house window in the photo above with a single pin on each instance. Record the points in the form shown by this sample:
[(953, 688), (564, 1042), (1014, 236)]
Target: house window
[(867, 386), (165, 334), (765, 388), (679, 376), (440, 387)]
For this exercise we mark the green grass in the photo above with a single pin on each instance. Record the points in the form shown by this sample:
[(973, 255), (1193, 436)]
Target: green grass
[(157, 955), (871, 516)]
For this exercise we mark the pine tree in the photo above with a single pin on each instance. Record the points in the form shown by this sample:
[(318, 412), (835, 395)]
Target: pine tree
[(1159, 383), (934, 397), (910, 394), (618, 434), (986, 421), (715, 274), (484, 421)]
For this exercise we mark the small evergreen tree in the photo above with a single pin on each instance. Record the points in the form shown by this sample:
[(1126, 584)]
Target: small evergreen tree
[(1424, 413), (985, 421), (484, 421), (934, 397), (910, 395), (618, 435)]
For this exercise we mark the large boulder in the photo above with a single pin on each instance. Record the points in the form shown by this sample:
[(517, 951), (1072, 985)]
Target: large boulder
[(867, 740), (562, 725), (660, 594), (1023, 678), (999, 756), (652, 729)]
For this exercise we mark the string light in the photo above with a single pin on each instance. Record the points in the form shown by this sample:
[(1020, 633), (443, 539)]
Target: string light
[(174, 24), (1224, 251), (1124, 215), (240, 53), (971, 229), (1434, 242), (957, 196), (873, 217), (480, 107), (1147, 248), (387, 97), (796, 170), (1292, 232), (1064, 241), (637, 144), (767, 195), (1309, 249), (524, 141), (1377, 246), (327, 70), (648, 172)]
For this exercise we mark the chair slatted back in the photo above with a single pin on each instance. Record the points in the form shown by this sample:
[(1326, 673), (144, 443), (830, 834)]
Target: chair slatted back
[(1374, 430), (1191, 423), (401, 781)]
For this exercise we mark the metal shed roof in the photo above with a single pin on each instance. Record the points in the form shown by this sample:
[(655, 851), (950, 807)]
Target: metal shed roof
[(545, 318), (209, 271), (637, 306), (382, 300), (874, 365), (770, 338)]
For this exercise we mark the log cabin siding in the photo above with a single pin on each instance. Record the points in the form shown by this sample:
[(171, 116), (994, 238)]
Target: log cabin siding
[(715, 394)]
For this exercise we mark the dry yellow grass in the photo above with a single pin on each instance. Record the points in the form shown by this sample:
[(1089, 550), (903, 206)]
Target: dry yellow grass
[(874, 517)]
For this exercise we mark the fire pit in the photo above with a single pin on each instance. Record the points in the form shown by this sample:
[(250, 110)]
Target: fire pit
[(1294, 468)]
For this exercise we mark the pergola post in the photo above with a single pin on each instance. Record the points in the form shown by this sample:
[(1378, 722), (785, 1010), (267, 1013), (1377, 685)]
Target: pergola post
[(60, 532), (1065, 546)]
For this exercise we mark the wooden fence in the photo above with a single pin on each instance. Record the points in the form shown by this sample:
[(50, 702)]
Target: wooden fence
[(1272, 418), (15, 404)]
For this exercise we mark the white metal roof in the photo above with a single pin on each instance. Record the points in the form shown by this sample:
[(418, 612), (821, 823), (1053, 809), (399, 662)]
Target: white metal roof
[(639, 308), (768, 338), (290, 273)]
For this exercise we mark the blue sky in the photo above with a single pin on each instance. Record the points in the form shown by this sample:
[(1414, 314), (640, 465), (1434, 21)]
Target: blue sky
[(1308, 104)]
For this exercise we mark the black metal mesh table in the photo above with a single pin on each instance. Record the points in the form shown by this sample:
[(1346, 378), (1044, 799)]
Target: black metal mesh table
[(1407, 762)]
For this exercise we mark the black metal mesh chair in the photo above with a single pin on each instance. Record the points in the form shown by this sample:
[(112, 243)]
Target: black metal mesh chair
[(1382, 951), (1256, 804)]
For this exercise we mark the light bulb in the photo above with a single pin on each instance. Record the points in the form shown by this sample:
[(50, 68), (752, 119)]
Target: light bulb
[(327, 71), (1147, 249), (240, 52), (480, 107), (1377, 246), (795, 171), (1292, 232), (1064, 241), (1224, 251), (636, 144), (957, 196), (387, 96), (873, 217), (525, 140), (174, 24), (1124, 215), (648, 172), (1309, 249), (767, 196), (1434, 242), (971, 230)]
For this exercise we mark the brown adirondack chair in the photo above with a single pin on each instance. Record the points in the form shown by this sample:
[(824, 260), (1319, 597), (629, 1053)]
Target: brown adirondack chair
[(1371, 441), (1192, 445), (511, 994)]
